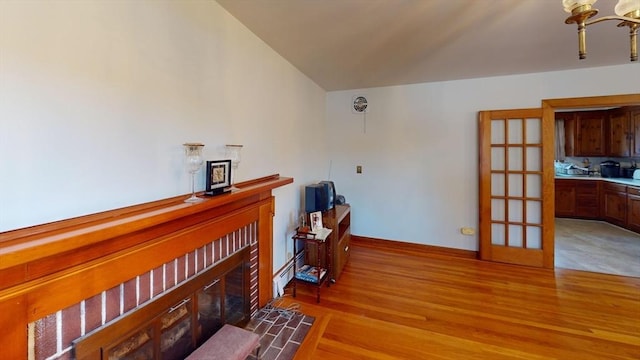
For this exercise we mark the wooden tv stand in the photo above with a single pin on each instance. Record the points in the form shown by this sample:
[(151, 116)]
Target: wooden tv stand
[(338, 219)]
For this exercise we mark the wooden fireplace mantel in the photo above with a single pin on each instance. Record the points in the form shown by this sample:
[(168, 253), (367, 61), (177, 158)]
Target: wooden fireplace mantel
[(48, 267)]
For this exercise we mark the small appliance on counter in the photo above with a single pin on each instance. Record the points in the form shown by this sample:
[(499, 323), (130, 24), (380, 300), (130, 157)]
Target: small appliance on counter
[(569, 169), (610, 169), (627, 172), (636, 174)]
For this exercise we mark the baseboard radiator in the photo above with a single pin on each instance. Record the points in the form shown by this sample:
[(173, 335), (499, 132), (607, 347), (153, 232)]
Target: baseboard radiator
[(285, 275)]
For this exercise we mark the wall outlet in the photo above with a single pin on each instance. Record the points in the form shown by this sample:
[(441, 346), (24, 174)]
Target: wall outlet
[(467, 231), (359, 169)]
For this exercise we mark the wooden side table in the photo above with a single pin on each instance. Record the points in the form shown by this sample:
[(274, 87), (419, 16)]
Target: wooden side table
[(313, 274)]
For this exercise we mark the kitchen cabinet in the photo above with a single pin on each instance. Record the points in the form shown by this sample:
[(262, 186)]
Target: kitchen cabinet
[(577, 198), (565, 198), (569, 119), (614, 132), (590, 127), (634, 118), (588, 199), (597, 199), (633, 208), (614, 203), (619, 139)]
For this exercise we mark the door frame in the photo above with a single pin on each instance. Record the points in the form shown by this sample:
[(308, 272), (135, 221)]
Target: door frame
[(549, 107)]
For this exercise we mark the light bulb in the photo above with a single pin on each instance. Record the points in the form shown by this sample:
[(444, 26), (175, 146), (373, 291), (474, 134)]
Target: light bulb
[(624, 7), (570, 5)]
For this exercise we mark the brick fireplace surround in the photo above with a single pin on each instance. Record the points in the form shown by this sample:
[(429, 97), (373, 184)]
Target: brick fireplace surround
[(62, 280)]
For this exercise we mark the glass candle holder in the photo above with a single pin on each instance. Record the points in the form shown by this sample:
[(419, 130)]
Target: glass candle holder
[(233, 152), (194, 161)]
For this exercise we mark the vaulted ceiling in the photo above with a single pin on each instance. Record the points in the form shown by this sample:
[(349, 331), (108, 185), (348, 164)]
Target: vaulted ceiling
[(351, 44)]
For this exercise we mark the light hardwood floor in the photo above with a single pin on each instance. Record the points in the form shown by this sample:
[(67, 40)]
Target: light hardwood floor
[(396, 304), (596, 246)]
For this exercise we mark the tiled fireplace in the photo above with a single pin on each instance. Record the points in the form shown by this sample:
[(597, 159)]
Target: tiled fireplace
[(53, 337)]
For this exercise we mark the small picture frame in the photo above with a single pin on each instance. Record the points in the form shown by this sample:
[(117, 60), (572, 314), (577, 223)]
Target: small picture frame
[(316, 220), (218, 179)]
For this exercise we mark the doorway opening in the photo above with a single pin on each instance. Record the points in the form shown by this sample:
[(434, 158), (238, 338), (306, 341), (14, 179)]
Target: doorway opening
[(592, 244)]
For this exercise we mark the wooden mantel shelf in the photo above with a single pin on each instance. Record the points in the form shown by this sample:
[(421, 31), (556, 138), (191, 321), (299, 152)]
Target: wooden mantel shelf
[(29, 244), (41, 266)]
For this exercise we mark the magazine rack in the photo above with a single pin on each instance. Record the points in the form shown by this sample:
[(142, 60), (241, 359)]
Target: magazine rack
[(312, 274)]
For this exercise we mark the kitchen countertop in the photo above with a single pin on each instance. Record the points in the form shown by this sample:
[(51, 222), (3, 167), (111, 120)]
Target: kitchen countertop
[(623, 181)]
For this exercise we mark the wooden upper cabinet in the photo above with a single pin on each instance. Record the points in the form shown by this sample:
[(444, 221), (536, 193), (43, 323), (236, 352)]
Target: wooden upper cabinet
[(591, 133), (619, 134), (569, 119), (634, 119), (614, 132)]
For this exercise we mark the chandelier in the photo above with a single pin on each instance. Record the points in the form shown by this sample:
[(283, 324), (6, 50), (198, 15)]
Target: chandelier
[(627, 11)]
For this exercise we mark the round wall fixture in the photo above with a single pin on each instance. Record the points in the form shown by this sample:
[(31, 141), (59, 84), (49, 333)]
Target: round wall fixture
[(360, 104)]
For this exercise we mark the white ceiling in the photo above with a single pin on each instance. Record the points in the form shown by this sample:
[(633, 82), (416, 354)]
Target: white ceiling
[(352, 44)]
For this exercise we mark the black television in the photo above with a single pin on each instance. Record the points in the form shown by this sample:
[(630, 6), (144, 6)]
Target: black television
[(320, 196)]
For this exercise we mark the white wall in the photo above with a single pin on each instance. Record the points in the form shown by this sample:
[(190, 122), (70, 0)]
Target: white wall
[(419, 148), (97, 98)]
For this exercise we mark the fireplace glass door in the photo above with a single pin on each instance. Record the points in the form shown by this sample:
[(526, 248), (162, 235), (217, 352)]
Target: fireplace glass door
[(174, 324)]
